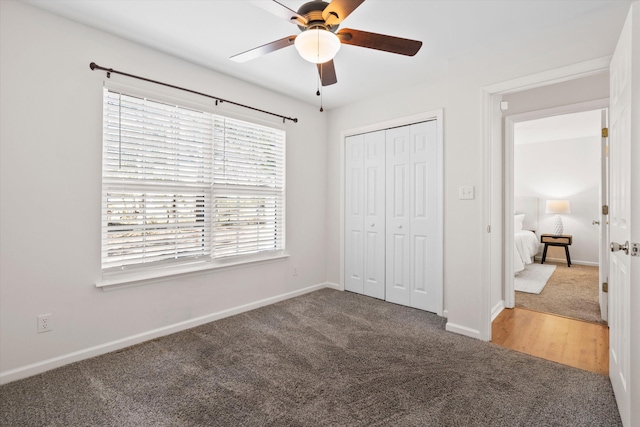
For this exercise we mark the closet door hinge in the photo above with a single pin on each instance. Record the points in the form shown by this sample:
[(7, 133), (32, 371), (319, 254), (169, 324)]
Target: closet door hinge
[(488, 229), (605, 132), (605, 209), (605, 287)]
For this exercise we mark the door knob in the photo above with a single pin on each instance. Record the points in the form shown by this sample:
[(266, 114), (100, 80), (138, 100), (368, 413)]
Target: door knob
[(618, 247), (595, 222), (373, 224), (399, 225)]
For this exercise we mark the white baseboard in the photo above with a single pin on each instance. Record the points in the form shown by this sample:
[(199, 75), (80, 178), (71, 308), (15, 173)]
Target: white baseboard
[(564, 261), (497, 309), (463, 330), (332, 285), (56, 362)]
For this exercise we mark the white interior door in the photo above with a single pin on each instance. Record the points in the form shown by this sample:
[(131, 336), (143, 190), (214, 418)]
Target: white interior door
[(364, 216), (604, 221), (393, 215), (425, 291), (398, 284), (354, 214), (620, 219), (412, 223), (374, 213)]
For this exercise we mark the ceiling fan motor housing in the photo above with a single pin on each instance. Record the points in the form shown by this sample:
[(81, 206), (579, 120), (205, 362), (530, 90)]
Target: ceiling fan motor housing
[(313, 12)]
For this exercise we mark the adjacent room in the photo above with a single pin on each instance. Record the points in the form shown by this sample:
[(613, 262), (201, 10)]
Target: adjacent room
[(294, 213), (559, 158)]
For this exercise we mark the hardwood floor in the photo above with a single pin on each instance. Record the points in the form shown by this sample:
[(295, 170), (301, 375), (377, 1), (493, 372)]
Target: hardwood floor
[(568, 341)]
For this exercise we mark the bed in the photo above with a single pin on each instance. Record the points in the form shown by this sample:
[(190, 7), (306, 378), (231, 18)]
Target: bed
[(525, 223)]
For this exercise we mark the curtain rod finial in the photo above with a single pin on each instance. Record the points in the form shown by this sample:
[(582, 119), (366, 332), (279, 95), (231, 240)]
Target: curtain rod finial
[(93, 65)]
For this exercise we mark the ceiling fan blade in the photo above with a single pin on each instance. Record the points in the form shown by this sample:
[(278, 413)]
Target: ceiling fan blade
[(379, 41), (282, 11), (327, 73), (338, 10), (263, 50)]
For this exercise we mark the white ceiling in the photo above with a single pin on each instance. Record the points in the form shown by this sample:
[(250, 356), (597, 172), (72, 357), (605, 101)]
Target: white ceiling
[(558, 128), (209, 32)]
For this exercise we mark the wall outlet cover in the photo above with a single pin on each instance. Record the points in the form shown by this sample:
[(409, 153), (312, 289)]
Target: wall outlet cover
[(44, 323), (466, 192)]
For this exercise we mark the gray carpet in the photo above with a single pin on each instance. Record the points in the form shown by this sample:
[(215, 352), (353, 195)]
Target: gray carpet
[(326, 358)]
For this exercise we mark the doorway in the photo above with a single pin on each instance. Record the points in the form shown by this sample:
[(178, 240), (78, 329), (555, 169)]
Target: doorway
[(557, 161), (551, 156), (557, 94)]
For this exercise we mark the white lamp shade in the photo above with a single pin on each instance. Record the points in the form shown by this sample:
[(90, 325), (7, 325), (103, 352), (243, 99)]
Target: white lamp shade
[(558, 207), (317, 46)]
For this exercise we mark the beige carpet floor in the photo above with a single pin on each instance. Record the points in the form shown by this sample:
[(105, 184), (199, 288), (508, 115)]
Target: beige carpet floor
[(570, 291)]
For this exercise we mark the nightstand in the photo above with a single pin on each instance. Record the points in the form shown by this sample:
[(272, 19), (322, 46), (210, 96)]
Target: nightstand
[(563, 240)]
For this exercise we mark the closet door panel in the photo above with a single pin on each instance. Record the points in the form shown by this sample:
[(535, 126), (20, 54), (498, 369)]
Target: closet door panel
[(354, 214), (398, 261), (374, 218), (423, 223)]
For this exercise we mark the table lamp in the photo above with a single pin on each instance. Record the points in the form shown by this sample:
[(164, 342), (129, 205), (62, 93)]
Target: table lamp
[(558, 207)]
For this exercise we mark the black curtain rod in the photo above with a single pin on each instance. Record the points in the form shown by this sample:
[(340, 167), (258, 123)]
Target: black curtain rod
[(95, 66)]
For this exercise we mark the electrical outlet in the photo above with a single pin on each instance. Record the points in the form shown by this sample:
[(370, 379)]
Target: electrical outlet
[(44, 323)]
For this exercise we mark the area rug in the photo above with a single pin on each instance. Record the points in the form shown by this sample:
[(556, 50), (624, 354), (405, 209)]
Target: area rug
[(533, 278)]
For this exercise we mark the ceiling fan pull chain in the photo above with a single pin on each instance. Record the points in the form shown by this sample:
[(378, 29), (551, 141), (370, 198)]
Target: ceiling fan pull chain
[(319, 92), (319, 80)]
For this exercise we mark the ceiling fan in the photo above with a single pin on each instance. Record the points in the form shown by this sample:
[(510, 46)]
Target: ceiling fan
[(319, 42)]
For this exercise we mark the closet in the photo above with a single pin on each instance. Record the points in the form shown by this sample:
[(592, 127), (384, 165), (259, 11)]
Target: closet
[(393, 225)]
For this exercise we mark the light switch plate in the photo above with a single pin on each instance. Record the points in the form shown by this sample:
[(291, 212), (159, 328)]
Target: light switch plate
[(466, 192)]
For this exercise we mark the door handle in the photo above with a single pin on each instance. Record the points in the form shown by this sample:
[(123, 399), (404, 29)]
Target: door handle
[(595, 222), (618, 247)]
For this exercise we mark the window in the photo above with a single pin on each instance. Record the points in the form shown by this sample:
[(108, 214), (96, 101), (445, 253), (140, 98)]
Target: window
[(182, 186)]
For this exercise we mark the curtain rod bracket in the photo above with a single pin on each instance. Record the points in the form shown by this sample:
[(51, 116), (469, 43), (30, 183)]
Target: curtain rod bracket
[(95, 66)]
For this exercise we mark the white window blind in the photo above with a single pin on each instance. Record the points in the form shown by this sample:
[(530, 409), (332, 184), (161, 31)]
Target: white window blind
[(185, 185), (248, 188)]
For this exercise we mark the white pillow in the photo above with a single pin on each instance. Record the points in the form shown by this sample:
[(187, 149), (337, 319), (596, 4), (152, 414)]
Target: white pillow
[(517, 222)]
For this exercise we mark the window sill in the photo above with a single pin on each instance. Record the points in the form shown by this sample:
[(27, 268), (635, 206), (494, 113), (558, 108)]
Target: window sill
[(127, 279)]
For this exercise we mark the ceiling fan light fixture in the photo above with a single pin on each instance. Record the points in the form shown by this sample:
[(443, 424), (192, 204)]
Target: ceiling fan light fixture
[(317, 45)]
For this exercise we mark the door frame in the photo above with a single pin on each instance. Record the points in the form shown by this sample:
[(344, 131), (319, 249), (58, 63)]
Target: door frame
[(437, 115), (493, 173), (509, 150)]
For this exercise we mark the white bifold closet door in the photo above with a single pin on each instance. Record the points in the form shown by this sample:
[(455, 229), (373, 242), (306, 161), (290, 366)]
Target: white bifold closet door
[(364, 216), (391, 200), (411, 217)]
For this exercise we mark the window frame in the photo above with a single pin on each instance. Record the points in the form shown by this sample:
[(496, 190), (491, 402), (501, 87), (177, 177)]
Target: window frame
[(134, 274)]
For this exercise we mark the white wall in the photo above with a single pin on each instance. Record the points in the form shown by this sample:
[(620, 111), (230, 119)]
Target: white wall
[(567, 169), (575, 91), (50, 197)]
